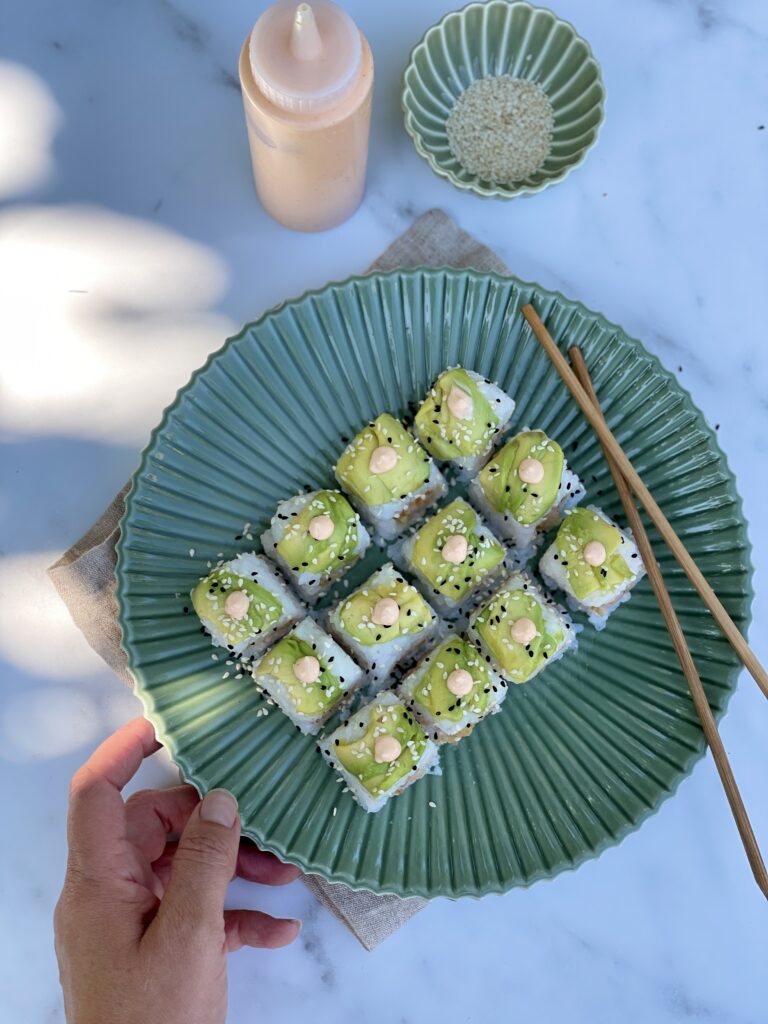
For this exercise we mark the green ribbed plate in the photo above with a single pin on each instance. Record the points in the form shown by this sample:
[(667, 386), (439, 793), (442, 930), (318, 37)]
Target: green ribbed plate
[(577, 758)]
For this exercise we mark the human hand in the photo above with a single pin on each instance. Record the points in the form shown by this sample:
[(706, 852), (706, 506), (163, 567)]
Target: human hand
[(141, 930)]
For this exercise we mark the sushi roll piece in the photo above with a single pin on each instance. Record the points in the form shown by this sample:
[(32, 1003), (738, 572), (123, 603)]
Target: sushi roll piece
[(308, 676), (521, 630), (379, 751), (452, 689), (453, 554), (315, 538), (524, 490), (383, 622), (389, 476), (245, 604), (461, 417), (594, 562)]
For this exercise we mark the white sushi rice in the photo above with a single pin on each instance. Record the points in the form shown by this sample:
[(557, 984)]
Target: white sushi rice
[(380, 658), (503, 407), (354, 727), (443, 730), (526, 538), (390, 519), (310, 586), (402, 554), (555, 618), (250, 566), (333, 658), (598, 605)]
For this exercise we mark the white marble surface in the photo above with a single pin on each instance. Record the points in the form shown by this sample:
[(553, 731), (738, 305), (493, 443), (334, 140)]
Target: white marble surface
[(131, 244)]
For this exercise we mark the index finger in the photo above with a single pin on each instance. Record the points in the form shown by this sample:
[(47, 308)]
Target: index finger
[(96, 809)]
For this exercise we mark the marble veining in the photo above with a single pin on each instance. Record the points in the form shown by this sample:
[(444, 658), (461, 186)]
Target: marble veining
[(132, 244)]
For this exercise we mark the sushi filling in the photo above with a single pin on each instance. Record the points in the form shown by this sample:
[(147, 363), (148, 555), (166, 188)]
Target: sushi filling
[(451, 554), (320, 538), (593, 561), (521, 630), (452, 688), (316, 538), (236, 606), (457, 419), (384, 609), (525, 488), (379, 751), (522, 480), (383, 463), (307, 675)]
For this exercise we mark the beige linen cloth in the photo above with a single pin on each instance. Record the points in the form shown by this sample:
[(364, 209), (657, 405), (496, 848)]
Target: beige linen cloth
[(85, 575)]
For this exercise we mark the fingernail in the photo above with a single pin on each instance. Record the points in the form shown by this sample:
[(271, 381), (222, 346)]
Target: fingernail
[(220, 807), (296, 921)]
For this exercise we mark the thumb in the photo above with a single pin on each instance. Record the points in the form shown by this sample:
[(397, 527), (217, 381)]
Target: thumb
[(204, 864)]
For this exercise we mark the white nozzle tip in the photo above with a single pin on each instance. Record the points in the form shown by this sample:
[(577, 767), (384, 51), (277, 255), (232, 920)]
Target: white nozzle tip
[(305, 39)]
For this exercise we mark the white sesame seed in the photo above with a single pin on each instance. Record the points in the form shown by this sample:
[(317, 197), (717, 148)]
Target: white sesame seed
[(500, 128)]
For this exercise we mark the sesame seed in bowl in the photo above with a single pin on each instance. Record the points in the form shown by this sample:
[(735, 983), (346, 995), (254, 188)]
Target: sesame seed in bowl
[(500, 129), (503, 98)]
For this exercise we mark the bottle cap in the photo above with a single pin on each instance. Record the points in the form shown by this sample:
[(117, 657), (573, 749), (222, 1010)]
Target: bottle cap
[(304, 56)]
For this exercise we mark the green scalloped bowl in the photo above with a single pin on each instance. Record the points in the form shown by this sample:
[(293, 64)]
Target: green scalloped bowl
[(576, 759), (503, 38)]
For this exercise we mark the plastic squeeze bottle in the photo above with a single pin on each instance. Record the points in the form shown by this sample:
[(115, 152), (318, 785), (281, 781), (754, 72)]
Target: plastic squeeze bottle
[(306, 74)]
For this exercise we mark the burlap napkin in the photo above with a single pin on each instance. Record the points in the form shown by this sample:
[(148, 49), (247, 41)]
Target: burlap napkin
[(85, 575)]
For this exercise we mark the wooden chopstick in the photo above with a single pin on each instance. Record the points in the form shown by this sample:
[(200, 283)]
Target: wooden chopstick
[(679, 643), (660, 521)]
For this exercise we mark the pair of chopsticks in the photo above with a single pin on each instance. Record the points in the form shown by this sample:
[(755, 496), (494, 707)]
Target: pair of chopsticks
[(627, 481)]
